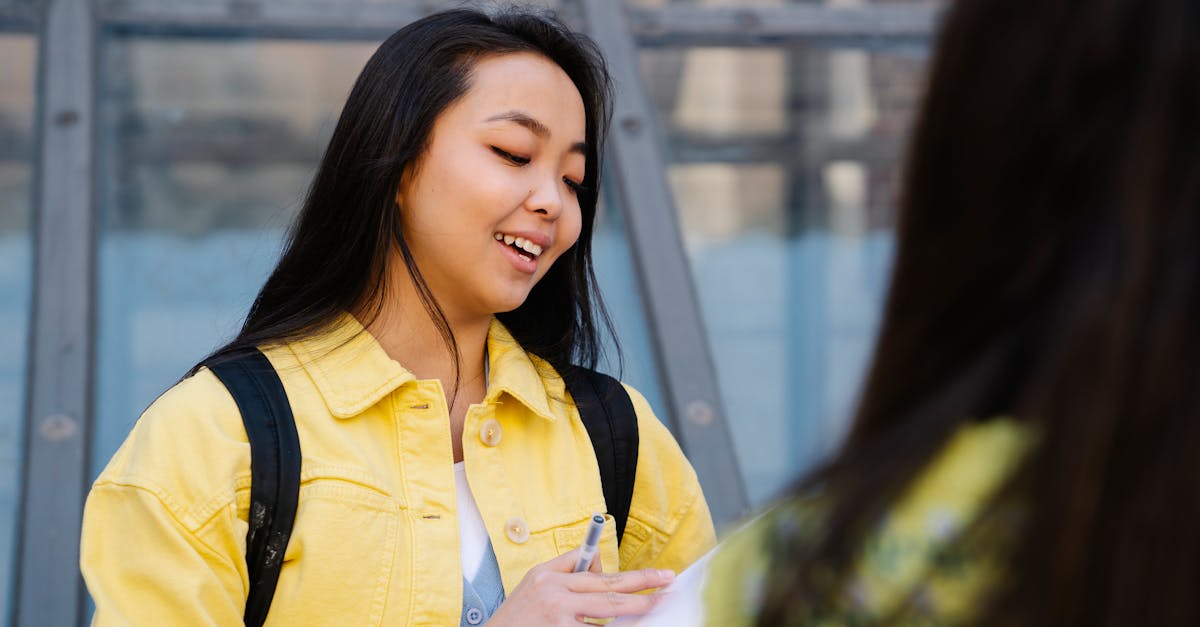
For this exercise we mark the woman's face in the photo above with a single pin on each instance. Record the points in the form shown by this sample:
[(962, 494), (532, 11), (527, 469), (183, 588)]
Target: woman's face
[(491, 203)]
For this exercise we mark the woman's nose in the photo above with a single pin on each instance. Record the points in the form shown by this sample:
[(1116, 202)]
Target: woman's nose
[(546, 197)]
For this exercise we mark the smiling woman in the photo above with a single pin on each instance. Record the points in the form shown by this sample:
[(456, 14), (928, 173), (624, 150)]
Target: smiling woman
[(433, 307), (509, 157)]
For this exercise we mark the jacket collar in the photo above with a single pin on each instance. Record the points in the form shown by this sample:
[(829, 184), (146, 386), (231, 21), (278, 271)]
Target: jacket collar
[(526, 378), (352, 372)]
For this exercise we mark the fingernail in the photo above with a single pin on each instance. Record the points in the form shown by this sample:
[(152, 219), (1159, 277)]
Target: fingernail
[(667, 574)]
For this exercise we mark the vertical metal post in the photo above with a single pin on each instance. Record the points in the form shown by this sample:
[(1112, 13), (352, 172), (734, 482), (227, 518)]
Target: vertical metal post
[(806, 279), (688, 372), (48, 590)]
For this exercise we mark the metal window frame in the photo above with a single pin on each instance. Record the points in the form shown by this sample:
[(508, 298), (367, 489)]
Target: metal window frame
[(48, 589), (773, 25), (310, 20), (17, 20)]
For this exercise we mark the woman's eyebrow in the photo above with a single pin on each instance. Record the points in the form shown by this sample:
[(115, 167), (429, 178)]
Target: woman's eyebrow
[(534, 126)]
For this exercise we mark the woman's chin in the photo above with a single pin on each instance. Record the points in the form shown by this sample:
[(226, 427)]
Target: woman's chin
[(508, 302), (508, 307)]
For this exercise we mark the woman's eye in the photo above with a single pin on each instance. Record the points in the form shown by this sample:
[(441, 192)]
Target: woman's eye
[(575, 187), (510, 156)]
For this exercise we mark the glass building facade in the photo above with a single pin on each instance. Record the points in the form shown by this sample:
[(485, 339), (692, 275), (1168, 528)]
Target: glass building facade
[(153, 153)]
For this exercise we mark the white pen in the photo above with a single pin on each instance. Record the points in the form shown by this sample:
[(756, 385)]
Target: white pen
[(591, 542)]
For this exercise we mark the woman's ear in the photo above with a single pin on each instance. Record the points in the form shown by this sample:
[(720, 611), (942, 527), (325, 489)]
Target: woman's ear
[(402, 185)]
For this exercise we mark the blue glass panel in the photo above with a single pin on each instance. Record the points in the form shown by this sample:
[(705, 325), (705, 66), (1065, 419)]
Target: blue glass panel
[(784, 163), (166, 301)]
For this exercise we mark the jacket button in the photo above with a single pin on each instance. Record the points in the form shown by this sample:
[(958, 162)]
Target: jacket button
[(517, 530), (490, 432), (474, 616)]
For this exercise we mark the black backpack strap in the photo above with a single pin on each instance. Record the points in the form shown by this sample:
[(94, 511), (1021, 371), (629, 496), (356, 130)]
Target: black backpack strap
[(274, 470), (608, 414)]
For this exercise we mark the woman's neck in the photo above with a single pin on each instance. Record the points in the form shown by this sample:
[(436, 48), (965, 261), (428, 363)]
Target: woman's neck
[(408, 334)]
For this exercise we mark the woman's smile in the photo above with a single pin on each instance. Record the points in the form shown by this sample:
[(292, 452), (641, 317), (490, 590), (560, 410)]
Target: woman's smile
[(522, 249)]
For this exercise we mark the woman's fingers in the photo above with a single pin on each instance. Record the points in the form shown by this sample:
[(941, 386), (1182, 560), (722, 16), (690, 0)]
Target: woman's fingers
[(596, 566), (625, 582), (550, 593), (564, 563), (613, 604)]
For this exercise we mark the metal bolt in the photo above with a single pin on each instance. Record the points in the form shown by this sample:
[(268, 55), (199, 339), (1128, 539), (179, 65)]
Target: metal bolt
[(245, 9), (700, 413), (631, 125), (748, 20), (649, 22), (58, 427), (66, 118)]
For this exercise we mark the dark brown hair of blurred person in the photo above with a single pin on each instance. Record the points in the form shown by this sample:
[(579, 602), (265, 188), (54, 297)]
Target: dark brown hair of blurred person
[(1048, 269)]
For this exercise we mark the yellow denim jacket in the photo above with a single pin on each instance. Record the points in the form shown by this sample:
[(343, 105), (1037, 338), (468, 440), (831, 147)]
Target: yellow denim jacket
[(376, 540)]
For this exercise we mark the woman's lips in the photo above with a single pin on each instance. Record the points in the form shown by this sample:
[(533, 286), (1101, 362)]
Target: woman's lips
[(520, 259)]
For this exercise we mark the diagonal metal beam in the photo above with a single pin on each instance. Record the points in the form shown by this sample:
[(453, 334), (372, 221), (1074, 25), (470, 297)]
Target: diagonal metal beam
[(48, 590), (673, 310), (319, 19)]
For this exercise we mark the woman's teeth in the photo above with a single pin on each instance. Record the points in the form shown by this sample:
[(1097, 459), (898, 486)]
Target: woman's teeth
[(519, 242)]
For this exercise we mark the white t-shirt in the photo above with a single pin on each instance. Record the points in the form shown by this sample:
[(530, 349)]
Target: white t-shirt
[(471, 530), (472, 533)]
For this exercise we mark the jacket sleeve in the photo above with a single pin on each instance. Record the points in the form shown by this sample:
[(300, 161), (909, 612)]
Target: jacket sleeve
[(162, 542), (144, 567), (669, 522)]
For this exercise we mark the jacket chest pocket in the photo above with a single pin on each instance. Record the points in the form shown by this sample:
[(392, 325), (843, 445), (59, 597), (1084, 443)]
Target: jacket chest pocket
[(570, 537), (340, 558)]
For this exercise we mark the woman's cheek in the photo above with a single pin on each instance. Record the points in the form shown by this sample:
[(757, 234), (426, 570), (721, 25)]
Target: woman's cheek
[(543, 269), (573, 227)]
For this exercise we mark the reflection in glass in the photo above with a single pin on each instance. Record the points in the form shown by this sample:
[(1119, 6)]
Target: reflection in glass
[(17, 68), (784, 163)]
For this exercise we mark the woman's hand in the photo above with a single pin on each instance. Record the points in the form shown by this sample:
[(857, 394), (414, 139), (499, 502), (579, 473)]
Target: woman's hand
[(550, 594)]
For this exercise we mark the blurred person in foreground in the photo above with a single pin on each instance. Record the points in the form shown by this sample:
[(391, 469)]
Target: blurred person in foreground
[(1025, 449)]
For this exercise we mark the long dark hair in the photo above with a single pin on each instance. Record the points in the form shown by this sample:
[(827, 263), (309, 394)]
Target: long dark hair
[(336, 257), (1048, 269)]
